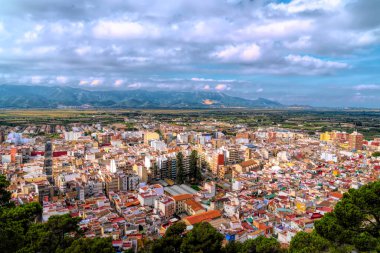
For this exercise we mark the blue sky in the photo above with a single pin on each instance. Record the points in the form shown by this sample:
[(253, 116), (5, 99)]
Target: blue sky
[(315, 52)]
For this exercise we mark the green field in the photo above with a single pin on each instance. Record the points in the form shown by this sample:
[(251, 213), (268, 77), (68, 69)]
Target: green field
[(311, 121)]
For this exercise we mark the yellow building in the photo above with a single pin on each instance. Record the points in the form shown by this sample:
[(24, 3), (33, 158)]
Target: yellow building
[(336, 173), (135, 168), (150, 136), (141, 171), (301, 206), (326, 136)]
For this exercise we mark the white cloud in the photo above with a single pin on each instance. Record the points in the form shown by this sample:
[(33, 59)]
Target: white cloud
[(314, 63), (83, 82), (72, 28), (222, 87), (134, 59), (154, 40), (44, 50), (33, 35), (259, 90), (62, 79), (107, 29), (93, 82), (200, 79), (197, 79), (134, 85), (36, 79), (274, 29), (367, 87), (57, 28), (116, 49), (96, 82), (38, 27), (366, 38), (206, 87), (166, 86), (30, 36), (296, 6), (240, 53), (118, 83), (83, 50), (2, 29), (301, 43)]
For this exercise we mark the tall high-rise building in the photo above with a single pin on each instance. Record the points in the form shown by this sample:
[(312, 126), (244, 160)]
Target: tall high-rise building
[(48, 163), (129, 182), (217, 162), (112, 167), (272, 136), (233, 155), (167, 167), (339, 137), (112, 183), (13, 154), (355, 141)]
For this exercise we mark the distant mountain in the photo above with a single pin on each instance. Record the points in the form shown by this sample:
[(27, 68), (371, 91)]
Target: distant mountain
[(24, 96)]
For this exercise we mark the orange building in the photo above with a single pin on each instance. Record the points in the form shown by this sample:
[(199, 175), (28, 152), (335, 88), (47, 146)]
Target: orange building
[(355, 141), (13, 154), (206, 216)]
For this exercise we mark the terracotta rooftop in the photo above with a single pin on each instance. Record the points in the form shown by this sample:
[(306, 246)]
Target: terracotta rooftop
[(336, 195), (209, 215), (248, 163), (196, 206), (182, 197)]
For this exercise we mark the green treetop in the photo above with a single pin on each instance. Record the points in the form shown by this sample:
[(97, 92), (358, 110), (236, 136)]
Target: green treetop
[(180, 172)]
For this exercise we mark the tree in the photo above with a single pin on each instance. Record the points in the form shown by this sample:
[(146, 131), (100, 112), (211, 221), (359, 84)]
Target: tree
[(308, 243), (267, 245), (232, 247), (14, 224), (170, 242), (173, 236), (259, 245), (155, 169), (52, 235), (355, 219), (96, 245), (19, 231), (366, 242), (5, 195), (158, 131), (176, 229), (180, 173), (202, 238), (195, 170)]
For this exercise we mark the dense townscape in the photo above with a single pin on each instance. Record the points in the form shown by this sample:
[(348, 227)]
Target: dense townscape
[(190, 126), (132, 184)]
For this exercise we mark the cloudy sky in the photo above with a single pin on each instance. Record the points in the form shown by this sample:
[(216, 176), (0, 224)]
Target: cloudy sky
[(315, 52)]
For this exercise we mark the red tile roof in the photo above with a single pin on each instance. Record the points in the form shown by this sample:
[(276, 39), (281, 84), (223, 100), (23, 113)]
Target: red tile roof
[(182, 197), (209, 215)]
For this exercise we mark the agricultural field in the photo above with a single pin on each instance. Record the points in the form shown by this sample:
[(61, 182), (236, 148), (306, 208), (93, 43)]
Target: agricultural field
[(365, 121)]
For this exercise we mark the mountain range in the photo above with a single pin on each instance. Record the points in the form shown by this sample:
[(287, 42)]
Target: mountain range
[(25, 96)]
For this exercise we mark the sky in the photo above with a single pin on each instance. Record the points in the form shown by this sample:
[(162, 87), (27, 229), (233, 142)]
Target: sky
[(304, 52)]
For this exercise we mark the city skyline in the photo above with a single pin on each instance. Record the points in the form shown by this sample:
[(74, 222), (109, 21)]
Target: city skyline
[(318, 53)]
